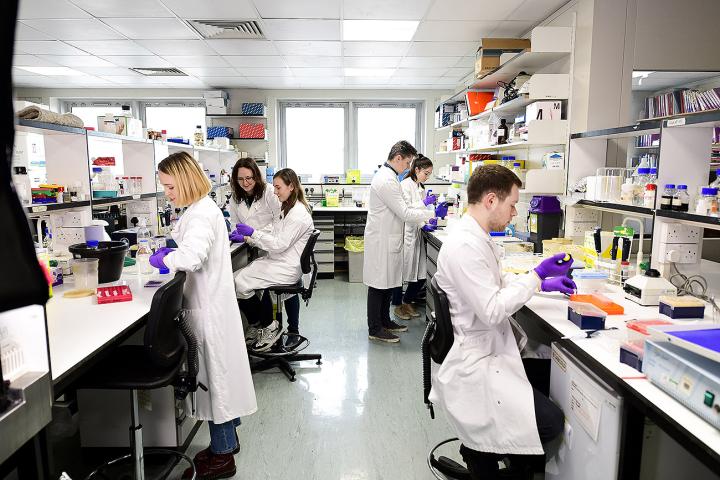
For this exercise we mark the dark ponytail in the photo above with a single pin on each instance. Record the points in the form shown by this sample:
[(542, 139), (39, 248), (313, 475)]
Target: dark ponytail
[(421, 162)]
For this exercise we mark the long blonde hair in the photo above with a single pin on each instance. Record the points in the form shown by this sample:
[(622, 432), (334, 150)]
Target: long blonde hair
[(190, 181)]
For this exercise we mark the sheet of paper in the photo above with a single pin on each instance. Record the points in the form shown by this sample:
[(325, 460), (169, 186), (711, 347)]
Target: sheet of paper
[(586, 409)]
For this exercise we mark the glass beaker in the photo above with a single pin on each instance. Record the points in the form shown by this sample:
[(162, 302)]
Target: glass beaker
[(85, 272)]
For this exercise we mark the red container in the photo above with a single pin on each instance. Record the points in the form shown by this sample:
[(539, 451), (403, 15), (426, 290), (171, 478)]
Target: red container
[(251, 130), (116, 293)]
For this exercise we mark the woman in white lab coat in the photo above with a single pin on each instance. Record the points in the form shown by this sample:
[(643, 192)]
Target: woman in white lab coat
[(481, 384), (253, 201), (284, 241), (204, 253), (414, 261)]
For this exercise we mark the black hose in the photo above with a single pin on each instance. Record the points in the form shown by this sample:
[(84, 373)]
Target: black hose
[(192, 346), (427, 380)]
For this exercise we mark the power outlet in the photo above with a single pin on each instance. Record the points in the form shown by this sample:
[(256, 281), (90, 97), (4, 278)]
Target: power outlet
[(683, 253), (576, 214), (69, 235), (679, 233), (75, 219), (578, 229)]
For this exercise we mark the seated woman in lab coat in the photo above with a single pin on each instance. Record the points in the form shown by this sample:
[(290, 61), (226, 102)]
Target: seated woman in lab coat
[(482, 385), (253, 201), (204, 253), (284, 242)]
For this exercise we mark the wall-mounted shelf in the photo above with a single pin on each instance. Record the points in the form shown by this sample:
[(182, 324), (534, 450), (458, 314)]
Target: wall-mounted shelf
[(54, 207), (50, 127), (124, 138), (703, 221), (235, 115), (525, 61), (679, 115), (645, 128), (123, 199), (617, 208)]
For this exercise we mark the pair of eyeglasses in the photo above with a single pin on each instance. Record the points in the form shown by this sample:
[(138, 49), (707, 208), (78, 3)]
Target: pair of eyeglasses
[(246, 179)]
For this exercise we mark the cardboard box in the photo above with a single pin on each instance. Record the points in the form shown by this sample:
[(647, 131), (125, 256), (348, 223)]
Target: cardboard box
[(486, 64), (497, 46), (216, 110), (120, 125), (216, 102)]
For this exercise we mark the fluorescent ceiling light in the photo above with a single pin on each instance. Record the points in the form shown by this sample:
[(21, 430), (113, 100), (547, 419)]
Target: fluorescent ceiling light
[(53, 71), (380, 30), (369, 72)]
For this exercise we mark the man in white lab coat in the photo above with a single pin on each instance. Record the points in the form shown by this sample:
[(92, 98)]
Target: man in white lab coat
[(482, 385), (383, 259)]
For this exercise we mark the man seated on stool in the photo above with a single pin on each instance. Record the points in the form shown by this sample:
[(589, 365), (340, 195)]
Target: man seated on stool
[(481, 384)]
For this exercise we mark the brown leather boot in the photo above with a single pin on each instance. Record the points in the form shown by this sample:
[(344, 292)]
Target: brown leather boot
[(410, 310), (214, 467)]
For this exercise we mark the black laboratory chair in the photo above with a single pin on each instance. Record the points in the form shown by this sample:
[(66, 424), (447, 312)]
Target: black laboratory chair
[(280, 355), (436, 343), (167, 357)]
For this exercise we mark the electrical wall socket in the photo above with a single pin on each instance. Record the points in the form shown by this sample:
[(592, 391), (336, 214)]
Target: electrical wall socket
[(575, 214), (684, 253), (69, 235), (679, 233), (578, 229), (75, 218)]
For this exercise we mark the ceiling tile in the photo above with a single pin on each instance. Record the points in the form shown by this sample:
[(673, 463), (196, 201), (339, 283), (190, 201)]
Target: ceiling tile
[(32, 61), (313, 62), (428, 62), (274, 82), (419, 72), (185, 82), (77, 60), (243, 47), (255, 61), (196, 61), (152, 28), (107, 71), (173, 47), (371, 62), (227, 82), (131, 61), (111, 47), (264, 72), (536, 10), (465, 62), (457, 31), (49, 9), (74, 29), (472, 9), (85, 81), (430, 49), (33, 81), (24, 32), (511, 29), (329, 82), (52, 47), (366, 80), (317, 72), (412, 80), (224, 9), (385, 10), (458, 73), (124, 8), (375, 49), (327, 9), (326, 49), (282, 29), (210, 71), (135, 79)]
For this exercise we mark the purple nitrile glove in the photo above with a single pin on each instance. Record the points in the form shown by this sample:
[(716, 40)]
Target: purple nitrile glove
[(558, 284), (428, 228), (430, 198), (441, 210), (244, 230), (156, 259), (237, 238), (433, 222), (555, 266)]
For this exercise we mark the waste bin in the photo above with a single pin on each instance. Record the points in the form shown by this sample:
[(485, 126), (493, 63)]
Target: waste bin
[(355, 247)]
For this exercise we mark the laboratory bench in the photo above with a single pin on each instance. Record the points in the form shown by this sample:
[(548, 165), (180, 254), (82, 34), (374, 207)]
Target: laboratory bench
[(544, 319), (335, 223)]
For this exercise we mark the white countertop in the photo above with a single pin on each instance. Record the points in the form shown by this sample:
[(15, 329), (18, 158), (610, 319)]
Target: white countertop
[(353, 209)]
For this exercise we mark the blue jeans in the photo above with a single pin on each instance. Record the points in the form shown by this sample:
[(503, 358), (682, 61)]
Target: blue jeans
[(223, 437)]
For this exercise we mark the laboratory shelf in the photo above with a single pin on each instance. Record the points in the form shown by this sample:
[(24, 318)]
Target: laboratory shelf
[(49, 128), (124, 138), (526, 61), (512, 146), (703, 221), (617, 208), (644, 128), (708, 118), (234, 115), (123, 199), (54, 207), (246, 139)]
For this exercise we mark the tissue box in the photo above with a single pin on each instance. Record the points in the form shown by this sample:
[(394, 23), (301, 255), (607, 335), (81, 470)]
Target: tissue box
[(119, 125), (253, 109), (252, 130), (216, 110), (219, 132), (216, 102)]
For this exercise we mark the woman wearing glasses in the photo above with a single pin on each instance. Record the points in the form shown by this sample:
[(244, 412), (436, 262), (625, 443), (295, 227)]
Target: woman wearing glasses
[(253, 202)]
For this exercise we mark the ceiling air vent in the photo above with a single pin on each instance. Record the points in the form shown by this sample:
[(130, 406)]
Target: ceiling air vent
[(160, 72), (213, 29)]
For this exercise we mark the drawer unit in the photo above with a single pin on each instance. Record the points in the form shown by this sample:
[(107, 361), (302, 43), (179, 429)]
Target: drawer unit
[(326, 235), (431, 269), (326, 267), (432, 252), (325, 245), (325, 257)]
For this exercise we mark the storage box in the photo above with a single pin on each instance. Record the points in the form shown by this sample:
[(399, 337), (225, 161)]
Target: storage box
[(253, 109), (217, 132), (681, 307), (120, 125), (251, 130), (637, 330), (543, 110), (216, 110), (486, 64), (488, 55), (600, 301), (476, 101), (586, 316), (214, 94), (216, 102), (632, 355)]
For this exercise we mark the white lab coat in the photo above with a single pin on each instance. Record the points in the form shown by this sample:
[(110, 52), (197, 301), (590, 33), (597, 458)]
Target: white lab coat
[(481, 384), (284, 243), (262, 212), (414, 257), (387, 213), (204, 253)]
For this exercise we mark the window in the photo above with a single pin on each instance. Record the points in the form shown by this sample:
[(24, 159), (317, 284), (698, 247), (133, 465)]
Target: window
[(90, 114), (321, 138), (179, 121)]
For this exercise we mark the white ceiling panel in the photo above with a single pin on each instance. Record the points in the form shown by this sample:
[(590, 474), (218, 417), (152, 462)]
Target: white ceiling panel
[(282, 29), (511, 29), (420, 72), (74, 29), (124, 8), (429, 62), (274, 82), (431, 49), (33, 81), (145, 61), (77, 60), (152, 28), (136, 79), (327, 9), (243, 47), (107, 71), (217, 10), (32, 61), (366, 81), (454, 31), (314, 62), (536, 10), (472, 9), (44, 47), (375, 49), (185, 82), (210, 71), (227, 82), (196, 61), (264, 72), (255, 60), (49, 9), (111, 47), (174, 47), (385, 10), (465, 62), (458, 73), (86, 81), (23, 32), (412, 80), (317, 72), (310, 48), (329, 82), (371, 62)]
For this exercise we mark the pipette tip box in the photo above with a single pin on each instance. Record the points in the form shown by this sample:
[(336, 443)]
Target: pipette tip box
[(586, 316), (682, 307), (116, 293)]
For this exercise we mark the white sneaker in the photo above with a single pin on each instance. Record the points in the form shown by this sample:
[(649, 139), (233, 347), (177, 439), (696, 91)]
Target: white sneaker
[(251, 335), (266, 337)]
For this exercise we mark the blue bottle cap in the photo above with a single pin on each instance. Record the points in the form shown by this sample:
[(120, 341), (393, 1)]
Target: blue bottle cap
[(97, 169), (643, 171), (92, 243), (709, 191), (669, 185), (653, 171), (682, 187)]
